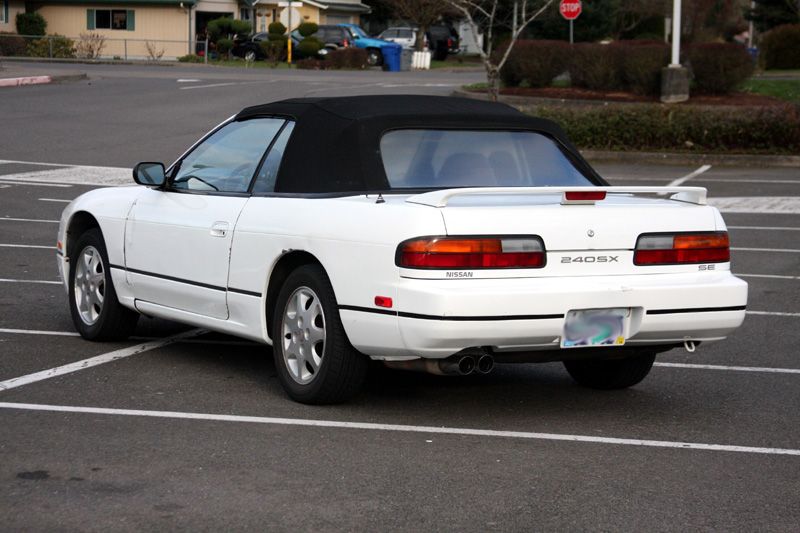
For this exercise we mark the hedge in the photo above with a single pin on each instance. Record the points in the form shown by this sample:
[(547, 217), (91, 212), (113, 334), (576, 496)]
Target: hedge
[(719, 67), (535, 62), (654, 127), (780, 47)]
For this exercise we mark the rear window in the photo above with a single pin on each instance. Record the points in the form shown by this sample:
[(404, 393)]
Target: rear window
[(461, 158)]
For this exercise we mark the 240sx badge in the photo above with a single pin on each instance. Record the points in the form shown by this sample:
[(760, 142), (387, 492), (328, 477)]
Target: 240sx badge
[(590, 259)]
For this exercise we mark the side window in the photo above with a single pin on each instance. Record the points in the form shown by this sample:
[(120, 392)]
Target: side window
[(227, 160), (265, 181)]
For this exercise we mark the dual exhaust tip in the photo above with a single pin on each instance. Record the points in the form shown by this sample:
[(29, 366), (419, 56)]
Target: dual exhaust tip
[(480, 363), (460, 364)]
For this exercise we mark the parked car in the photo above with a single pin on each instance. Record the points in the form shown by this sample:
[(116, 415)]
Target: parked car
[(444, 40), (404, 36), (249, 48), (441, 40), (360, 39), (430, 233)]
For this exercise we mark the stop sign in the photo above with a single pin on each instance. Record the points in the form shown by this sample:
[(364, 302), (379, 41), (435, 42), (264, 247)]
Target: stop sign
[(570, 9)]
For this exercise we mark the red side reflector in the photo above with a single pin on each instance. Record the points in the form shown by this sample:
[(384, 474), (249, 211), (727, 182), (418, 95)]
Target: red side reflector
[(584, 196), (383, 301)]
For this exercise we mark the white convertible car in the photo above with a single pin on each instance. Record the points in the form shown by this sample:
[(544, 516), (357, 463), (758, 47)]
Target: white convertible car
[(431, 233)]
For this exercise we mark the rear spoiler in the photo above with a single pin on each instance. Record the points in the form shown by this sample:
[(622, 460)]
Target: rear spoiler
[(692, 195)]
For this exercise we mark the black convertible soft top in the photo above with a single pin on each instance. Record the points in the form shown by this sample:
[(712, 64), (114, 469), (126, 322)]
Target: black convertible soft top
[(335, 145)]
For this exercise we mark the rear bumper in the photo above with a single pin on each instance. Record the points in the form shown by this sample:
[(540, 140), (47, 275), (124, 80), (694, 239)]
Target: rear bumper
[(437, 318)]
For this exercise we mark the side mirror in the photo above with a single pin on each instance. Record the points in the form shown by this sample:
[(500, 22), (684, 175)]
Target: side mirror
[(150, 174)]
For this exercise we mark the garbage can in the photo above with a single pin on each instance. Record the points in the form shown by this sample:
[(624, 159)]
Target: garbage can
[(405, 58), (391, 57)]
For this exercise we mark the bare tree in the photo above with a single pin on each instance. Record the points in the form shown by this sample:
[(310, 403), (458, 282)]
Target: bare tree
[(423, 13), (482, 16)]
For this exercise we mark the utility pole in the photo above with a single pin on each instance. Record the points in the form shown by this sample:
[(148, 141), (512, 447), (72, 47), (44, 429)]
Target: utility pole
[(675, 78), (289, 35)]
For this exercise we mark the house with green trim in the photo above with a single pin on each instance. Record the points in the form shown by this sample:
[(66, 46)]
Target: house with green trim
[(132, 28)]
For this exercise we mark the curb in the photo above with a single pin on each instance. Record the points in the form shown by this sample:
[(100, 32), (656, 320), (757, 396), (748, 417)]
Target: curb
[(651, 158), (160, 63), (40, 80)]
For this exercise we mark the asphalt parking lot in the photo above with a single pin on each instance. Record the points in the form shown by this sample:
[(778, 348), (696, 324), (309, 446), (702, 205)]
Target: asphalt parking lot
[(179, 430)]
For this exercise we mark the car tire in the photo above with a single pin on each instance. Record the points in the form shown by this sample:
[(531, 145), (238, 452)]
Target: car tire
[(374, 57), (250, 55), (314, 360), (93, 304), (609, 374)]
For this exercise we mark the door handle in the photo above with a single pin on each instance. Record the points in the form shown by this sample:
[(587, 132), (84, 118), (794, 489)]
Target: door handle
[(219, 229)]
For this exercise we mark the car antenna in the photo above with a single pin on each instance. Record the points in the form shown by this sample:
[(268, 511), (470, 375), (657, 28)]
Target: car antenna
[(379, 199)]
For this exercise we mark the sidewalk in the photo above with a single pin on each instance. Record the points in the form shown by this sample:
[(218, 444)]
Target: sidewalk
[(13, 74)]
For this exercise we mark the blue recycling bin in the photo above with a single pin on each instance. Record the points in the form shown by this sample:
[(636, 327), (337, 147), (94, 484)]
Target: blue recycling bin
[(391, 56)]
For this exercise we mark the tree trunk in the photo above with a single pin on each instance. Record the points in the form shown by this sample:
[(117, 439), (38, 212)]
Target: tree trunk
[(419, 46), (492, 81)]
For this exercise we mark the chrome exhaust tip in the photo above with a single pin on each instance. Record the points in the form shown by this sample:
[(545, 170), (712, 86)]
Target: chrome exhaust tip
[(466, 365), (485, 363)]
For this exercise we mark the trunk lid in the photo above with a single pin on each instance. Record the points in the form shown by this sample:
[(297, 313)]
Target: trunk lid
[(580, 239)]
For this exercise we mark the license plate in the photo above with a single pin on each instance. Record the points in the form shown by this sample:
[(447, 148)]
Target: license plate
[(595, 327)]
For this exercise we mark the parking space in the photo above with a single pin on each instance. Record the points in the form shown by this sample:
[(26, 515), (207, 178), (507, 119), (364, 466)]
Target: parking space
[(194, 432)]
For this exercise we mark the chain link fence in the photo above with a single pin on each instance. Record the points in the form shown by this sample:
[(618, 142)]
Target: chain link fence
[(96, 46)]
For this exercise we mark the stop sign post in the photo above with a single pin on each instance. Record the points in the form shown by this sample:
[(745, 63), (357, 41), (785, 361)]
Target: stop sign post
[(570, 10)]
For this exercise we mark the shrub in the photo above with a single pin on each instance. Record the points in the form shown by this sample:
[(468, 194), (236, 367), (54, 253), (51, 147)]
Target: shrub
[(311, 63), (12, 45), (595, 66), (640, 64), (31, 24), (190, 58), (307, 29), (274, 49), (719, 67), (780, 47), (347, 58), (90, 45), (241, 27), (309, 47), (61, 47), (224, 46), (276, 28), (657, 127), (534, 62)]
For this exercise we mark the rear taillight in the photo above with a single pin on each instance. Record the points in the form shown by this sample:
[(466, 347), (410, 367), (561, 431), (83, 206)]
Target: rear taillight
[(682, 248), (346, 43), (471, 252)]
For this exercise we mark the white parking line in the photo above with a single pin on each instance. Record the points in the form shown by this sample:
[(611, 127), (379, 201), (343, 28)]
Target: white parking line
[(35, 281), (9, 219), (39, 332), (97, 360), (435, 430), (734, 368), (768, 276), (786, 250), (60, 200), (765, 228), (767, 205), (37, 246), (707, 180), (33, 184), (209, 86), (687, 177), (772, 313)]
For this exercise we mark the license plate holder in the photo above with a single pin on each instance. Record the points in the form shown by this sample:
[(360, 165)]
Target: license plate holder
[(588, 328)]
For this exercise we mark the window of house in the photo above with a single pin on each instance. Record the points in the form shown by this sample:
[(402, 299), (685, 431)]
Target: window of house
[(4, 11), (110, 19)]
